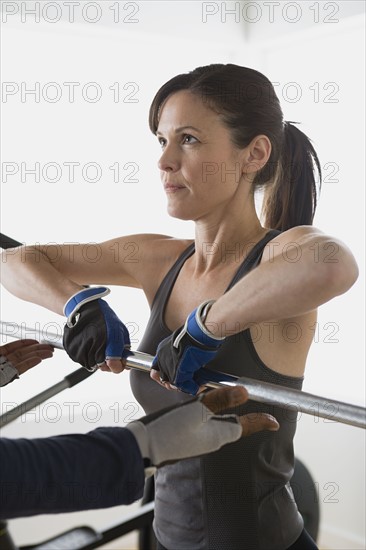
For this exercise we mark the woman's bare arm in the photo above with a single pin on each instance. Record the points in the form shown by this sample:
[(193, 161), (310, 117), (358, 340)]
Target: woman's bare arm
[(48, 275), (301, 269)]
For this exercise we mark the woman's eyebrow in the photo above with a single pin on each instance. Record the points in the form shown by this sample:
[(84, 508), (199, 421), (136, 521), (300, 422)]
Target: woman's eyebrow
[(183, 128)]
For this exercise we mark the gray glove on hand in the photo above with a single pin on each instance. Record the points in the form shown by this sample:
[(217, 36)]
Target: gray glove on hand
[(194, 428)]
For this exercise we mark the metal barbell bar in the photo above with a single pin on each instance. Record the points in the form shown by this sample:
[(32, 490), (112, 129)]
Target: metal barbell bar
[(262, 392)]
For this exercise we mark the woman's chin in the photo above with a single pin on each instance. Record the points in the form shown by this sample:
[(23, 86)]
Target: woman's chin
[(178, 213)]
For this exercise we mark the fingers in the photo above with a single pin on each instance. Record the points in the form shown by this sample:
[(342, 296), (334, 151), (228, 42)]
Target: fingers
[(103, 367), (257, 422), (28, 364), (13, 346), (155, 375), (113, 365), (27, 355), (225, 398)]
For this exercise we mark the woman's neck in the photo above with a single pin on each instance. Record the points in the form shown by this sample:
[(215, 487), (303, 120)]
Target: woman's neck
[(223, 240)]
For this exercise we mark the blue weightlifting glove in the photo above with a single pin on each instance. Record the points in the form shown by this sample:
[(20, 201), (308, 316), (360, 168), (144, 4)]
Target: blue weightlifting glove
[(93, 332), (188, 349)]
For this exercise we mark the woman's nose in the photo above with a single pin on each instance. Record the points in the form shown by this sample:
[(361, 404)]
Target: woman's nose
[(168, 161)]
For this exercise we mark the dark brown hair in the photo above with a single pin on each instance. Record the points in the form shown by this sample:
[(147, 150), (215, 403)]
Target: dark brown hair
[(247, 104)]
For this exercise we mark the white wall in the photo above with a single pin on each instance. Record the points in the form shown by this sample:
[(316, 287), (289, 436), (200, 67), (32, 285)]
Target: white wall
[(317, 61), (166, 39)]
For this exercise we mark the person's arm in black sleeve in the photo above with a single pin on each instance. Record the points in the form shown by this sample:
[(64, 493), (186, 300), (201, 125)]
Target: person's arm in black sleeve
[(106, 467), (70, 472)]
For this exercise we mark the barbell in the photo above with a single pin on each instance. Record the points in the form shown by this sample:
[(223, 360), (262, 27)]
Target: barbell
[(262, 392)]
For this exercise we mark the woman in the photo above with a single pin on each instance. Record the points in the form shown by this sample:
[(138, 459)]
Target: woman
[(248, 291)]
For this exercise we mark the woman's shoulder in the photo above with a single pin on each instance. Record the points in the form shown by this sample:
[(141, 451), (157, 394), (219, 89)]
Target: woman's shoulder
[(158, 247), (149, 246), (154, 255), (299, 233), (294, 240), (327, 257)]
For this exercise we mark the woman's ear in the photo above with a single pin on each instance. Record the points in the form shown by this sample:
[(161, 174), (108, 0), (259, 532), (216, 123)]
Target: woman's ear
[(257, 154)]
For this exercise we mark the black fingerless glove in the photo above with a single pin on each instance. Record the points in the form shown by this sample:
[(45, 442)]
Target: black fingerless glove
[(186, 351), (93, 332)]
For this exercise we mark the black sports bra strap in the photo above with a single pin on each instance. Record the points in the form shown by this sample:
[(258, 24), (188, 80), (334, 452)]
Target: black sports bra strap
[(167, 283), (254, 257)]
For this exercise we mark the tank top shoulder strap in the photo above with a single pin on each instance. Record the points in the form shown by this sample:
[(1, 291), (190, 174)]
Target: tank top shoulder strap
[(254, 257), (169, 279)]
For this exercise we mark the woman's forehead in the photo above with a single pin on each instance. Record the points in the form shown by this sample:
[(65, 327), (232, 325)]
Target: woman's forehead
[(183, 109)]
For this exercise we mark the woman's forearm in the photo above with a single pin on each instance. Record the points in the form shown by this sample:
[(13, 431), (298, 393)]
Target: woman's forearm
[(28, 274), (285, 286)]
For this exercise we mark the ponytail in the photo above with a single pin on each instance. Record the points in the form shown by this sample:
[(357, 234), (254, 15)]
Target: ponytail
[(292, 198)]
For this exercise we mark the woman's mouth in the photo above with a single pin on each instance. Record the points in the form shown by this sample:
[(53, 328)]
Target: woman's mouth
[(173, 188)]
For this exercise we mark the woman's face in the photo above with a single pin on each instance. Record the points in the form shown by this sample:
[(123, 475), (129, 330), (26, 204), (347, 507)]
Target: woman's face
[(200, 167)]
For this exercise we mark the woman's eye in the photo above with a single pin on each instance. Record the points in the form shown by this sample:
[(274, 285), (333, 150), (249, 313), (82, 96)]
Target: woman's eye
[(187, 138)]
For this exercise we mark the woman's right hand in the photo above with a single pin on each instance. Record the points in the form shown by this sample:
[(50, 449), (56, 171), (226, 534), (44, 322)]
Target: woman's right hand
[(94, 336)]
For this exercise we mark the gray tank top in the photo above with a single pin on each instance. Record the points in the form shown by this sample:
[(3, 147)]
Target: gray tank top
[(239, 497)]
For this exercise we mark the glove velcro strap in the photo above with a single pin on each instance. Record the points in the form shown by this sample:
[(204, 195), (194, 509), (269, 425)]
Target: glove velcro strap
[(75, 302), (196, 329)]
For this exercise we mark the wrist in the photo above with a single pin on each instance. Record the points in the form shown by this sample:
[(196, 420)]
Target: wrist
[(197, 329), (212, 323), (82, 297), (217, 322)]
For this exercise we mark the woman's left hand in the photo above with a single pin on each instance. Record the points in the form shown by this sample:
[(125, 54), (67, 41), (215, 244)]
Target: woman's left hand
[(184, 352)]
